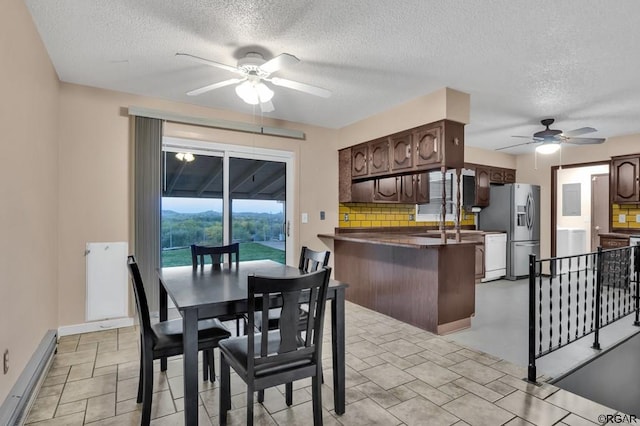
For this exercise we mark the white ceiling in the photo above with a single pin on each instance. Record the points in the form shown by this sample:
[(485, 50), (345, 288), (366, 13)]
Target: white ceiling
[(520, 60)]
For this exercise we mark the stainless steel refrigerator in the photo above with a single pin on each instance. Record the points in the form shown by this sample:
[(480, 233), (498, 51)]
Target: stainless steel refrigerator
[(515, 209)]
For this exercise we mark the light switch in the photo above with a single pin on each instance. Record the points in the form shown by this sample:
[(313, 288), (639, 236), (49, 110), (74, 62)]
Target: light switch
[(622, 218), (305, 218)]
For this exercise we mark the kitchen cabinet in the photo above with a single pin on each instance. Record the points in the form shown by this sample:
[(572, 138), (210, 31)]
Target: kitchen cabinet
[(482, 183), (509, 176), (378, 156), (428, 149), (414, 188), (479, 268), (386, 189), (401, 152), (625, 179), (496, 175), (359, 160), (608, 241)]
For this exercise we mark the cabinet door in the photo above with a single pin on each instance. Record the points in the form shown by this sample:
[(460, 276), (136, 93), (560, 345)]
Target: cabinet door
[(359, 159), (482, 187), (479, 261), (386, 189), (401, 152), (362, 192), (428, 146), (422, 188), (624, 180), (496, 176), (408, 189), (509, 176), (379, 156)]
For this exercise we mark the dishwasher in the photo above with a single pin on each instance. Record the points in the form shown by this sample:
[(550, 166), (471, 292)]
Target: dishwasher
[(495, 256)]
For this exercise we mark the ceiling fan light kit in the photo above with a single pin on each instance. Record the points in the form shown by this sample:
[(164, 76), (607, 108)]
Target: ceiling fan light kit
[(254, 92), (548, 148)]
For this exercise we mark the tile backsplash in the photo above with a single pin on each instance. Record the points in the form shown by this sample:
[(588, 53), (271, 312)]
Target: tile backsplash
[(630, 212), (372, 215)]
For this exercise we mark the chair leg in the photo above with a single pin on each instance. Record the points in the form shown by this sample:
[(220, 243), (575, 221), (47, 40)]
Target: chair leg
[(261, 396), (140, 379), (289, 393), (250, 404), (212, 366), (147, 389), (225, 390), (317, 400), (205, 366)]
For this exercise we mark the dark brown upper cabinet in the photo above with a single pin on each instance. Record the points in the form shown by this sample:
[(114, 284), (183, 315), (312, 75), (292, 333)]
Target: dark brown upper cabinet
[(509, 175), (359, 160), (428, 146), (414, 188), (378, 156), (401, 151), (386, 189), (625, 179), (483, 179), (496, 175)]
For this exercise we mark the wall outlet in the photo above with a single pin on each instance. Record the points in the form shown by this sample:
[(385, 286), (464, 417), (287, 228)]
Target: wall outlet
[(346, 217), (622, 218), (305, 218), (322, 215), (638, 218), (5, 361), (411, 217)]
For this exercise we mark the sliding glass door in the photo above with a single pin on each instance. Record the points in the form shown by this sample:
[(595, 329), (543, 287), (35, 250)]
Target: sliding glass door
[(218, 194)]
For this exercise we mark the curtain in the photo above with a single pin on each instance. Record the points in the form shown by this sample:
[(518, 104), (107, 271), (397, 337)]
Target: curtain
[(147, 196)]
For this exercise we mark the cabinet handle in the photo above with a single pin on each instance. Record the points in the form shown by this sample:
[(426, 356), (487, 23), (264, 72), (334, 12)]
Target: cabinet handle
[(407, 153)]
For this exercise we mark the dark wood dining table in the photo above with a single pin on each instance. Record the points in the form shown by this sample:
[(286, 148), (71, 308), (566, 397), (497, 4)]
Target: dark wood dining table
[(200, 293)]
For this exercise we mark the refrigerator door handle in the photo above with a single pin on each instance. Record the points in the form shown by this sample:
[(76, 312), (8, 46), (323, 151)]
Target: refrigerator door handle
[(530, 211), (528, 244)]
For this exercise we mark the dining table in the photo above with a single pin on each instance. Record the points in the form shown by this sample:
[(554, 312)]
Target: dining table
[(209, 292)]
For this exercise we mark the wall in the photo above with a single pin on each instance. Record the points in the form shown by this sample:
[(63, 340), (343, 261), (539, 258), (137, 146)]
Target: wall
[(29, 190), (581, 175), (540, 174)]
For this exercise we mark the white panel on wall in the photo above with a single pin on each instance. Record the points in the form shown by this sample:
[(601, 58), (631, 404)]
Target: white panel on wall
[(107, 295)]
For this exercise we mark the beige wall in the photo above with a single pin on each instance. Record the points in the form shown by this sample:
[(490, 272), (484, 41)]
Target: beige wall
[(28, 190), (527, 172)]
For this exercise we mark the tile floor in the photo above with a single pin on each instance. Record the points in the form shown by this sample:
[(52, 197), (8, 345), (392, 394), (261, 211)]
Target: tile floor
[(396, 375)]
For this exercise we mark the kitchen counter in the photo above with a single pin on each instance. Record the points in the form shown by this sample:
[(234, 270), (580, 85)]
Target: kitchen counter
[(414, 278)]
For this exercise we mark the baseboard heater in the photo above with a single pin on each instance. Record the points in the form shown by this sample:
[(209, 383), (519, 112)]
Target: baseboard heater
[(14, 408)]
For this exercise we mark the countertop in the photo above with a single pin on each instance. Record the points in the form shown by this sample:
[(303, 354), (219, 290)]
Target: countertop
[(397, 240)]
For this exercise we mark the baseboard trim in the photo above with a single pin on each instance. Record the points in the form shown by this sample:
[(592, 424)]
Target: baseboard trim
[(88, 327), (16, 405)]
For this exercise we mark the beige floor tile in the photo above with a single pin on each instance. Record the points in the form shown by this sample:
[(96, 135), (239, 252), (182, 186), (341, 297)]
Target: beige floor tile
[(128, 370), (302, 415), (581, 406), (67, 346), (429, 392), (80, 371), (517, 421), (93, 346), (71, 408), (387, 376), (397, 361), (99, 336), (374, 360), (477, 372), (477, 411), (367, 412), (364, 349), (54, 380), (73, 358), (575, 420), (532, 409), (442, 361), (481, 357), (432, 374), (418, 410), (501, 387), (440, 346), (162, 404), (55, 390), (109, 369), (382, 397), (43, 408), (76, 419), (402, 348), (117, 357), (453, 390), (511, 369), (88, 388), (101, 407), (59, 371), (260, 416), (127, 419), (477, 389), (402, 392), (541, 391)]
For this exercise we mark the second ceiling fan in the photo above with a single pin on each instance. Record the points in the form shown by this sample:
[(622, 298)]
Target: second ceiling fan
[(253, 71), (550, 139)]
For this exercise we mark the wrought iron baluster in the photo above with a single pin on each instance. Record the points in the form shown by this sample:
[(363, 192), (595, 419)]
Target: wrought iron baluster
[(569, 303), (550, 311), (560, 308), (610, 281), (540, 308), (594, 280), (586, 284)]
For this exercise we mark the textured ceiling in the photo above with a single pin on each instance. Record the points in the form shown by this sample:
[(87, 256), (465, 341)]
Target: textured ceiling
[(520, 60)]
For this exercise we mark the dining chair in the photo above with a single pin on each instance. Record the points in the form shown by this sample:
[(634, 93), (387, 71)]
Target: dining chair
[(164, 339), (274, 357), (216, 253)]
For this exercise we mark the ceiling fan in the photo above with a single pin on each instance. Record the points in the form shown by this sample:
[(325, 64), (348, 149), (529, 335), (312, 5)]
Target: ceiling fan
[(550, 139), (253, 71)]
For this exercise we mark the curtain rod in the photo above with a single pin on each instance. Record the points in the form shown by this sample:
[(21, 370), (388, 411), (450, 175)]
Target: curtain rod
[(216, 123)]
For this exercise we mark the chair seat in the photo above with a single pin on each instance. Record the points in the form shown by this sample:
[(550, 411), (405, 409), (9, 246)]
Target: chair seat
[(168, 334), (236, 349)]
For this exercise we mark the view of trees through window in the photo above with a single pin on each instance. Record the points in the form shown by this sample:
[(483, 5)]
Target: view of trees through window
[(257, 226)]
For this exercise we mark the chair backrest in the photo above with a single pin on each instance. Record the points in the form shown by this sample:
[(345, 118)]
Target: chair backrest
[(141, 298), (311, 260), (309, 289), (216, 253)]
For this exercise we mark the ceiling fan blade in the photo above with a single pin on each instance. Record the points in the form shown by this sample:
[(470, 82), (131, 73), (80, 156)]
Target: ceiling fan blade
[(213, 86), (303, 87), (518, 144), (208, 62), (584, 141), (266, 106), (529, 137), (280, 61), (578, 132)]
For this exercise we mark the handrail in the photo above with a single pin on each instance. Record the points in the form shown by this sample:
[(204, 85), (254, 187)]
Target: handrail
[(571, 297)]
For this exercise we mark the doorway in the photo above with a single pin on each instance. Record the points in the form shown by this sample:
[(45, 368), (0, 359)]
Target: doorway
[(215, 194), (574, 228)]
